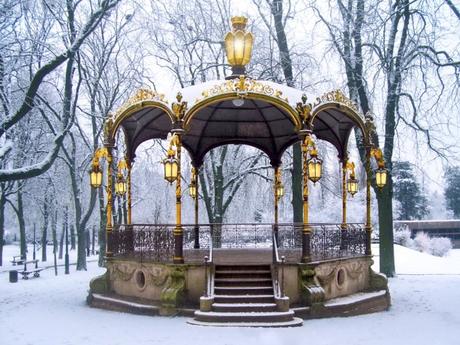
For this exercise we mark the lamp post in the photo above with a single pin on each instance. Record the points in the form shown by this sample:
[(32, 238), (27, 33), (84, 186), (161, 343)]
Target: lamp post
[(278, 190), (238, 46), (193, 190), (311, 170), (172, 173)]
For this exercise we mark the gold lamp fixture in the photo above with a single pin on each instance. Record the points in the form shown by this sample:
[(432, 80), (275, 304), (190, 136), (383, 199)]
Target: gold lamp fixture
[(381, 173), (120, 183), (95, 174), (192, 186), (170, 163), (314, 166), (352, 182), (279, 187), (238, 46)]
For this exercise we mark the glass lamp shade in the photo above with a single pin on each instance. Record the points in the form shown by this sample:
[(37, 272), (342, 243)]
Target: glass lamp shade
[(314, 169), (352, 186), (381, 177), (95, 177), (120, 185), (238, 43), (171, 169), (279, 190), (192, 190)]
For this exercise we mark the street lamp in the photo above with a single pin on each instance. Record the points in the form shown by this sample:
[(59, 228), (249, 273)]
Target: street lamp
[(120, 185), (95, 176), (171, 166), (381, 173), (381, 177), (314, 166), (352, 182), (192, 189), (279, 190), (238, 46)]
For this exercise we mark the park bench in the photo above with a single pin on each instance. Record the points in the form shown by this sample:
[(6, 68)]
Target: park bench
[(17, 260), (35, 271)]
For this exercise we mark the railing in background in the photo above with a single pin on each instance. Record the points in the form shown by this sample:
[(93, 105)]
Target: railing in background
[(155, 242)]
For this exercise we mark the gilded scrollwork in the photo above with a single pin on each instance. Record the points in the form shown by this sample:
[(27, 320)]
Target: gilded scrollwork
[(179, 108), (108, 128), (141, 95), (242, 86), (339, 97)]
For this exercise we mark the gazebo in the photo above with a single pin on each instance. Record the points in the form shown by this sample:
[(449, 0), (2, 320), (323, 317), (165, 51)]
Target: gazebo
[(264, 274)]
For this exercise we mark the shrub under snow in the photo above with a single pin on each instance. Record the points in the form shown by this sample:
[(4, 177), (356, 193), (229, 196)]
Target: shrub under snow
[(438, 246)]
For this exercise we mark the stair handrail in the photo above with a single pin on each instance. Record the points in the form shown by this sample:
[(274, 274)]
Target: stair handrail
[(277, 262), (209, 272)]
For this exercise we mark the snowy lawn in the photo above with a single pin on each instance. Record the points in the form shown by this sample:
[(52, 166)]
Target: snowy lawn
[(52, 311)]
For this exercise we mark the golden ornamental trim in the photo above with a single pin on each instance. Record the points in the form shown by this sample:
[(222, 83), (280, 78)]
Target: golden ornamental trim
[(143, 94), (339, 97), (242, 86)]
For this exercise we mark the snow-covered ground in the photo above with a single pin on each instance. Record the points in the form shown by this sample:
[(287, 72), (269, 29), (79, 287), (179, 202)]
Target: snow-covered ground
[(51, 310)]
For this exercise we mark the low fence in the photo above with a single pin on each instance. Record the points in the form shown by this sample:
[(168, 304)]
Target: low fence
[(155, 242)]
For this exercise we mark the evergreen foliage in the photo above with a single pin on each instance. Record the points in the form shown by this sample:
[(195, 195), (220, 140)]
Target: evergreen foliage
[(414, 205), (452, 190)]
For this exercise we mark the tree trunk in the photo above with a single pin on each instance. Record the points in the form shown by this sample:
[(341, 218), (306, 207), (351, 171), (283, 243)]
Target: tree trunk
[(385, 206), (55, 244), (21, 222), (72, 238), (45, 228), (2, 226), (81, 250), (102, 224), (286, 64)]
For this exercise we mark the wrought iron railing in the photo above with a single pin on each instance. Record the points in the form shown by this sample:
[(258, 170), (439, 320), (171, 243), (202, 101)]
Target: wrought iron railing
[(155, 242)]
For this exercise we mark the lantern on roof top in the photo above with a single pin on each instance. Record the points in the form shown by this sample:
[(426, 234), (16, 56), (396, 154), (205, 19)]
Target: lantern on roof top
[(238, 46)]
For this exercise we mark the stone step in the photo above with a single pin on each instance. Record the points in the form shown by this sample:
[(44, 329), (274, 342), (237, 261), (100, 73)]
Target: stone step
[(243, 274), (295, 322), (244, 298), (243, 307), (265, 282), (213, 316), (242, 268), (243, 290)]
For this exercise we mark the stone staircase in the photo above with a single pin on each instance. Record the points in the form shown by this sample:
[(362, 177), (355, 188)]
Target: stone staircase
[(244, 296)]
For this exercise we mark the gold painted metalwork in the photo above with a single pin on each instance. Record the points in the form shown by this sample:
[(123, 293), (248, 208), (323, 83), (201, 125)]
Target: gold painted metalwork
[(344, 194), (304, 111), (352, 182), (242, 86), (96, 171), (141, 95), (171, 163), (120, 182), (339, 97), (278, 190), (381, 173), (238, 45), (179, 108), (314, 164), (128, 180)]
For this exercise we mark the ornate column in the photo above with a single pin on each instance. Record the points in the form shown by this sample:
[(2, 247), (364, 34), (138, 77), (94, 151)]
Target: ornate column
[(306, 230), (129, 191), (109, 208), (368, 226), (195, 199), (276, 182), (179, 109), (178, 230), (343, 226)]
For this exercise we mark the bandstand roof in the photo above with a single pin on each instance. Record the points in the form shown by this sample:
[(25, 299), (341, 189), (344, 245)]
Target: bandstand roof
[(261, 114)]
